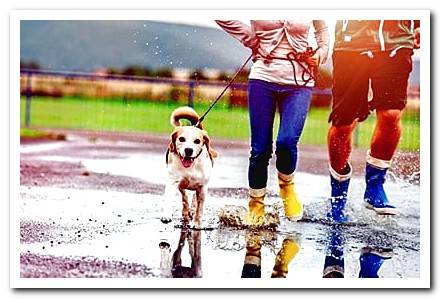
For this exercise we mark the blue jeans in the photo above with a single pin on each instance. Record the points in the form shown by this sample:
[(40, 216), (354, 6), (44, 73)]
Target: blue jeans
[(293, 104)]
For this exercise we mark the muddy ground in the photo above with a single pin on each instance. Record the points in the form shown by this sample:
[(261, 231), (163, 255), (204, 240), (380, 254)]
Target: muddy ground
[(90, 206)]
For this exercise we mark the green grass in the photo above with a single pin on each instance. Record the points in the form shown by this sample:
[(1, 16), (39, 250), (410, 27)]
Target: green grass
[(32, 133), (153, 117)]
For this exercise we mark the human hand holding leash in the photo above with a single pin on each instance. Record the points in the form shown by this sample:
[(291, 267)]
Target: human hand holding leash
[(313, 61)]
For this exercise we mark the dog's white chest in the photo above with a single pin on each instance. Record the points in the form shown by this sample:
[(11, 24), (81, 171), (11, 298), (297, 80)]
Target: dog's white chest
[(198, 175)]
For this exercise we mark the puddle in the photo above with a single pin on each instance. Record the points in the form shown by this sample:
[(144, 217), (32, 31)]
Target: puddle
[(125, 227), (133, 232)]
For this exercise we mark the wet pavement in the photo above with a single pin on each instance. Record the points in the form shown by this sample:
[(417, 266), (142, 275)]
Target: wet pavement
[(91, 207)]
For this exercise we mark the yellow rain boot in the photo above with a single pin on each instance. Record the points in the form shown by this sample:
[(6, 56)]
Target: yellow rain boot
[(291, 202), (256, 207), (289, 250), (252, 264)]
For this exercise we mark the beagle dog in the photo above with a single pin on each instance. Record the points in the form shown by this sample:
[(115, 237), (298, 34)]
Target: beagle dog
[(189, 161)]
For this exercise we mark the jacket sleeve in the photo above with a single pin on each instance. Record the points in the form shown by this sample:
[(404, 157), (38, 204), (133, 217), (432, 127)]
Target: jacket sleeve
[(322, 37), (416, 24), (239, 31)]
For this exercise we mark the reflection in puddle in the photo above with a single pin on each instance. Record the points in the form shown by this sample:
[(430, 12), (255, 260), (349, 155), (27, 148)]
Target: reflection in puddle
[(189, 248), (269, 254), (253, 259), (301, 250), (290, 248), (177, 269), (371, 257)]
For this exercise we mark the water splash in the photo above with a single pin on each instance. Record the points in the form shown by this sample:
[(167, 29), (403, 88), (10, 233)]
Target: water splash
[(236, 217)]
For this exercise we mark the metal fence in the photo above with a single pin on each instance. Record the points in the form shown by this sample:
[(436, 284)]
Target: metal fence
[(190, 84), (315, 129)]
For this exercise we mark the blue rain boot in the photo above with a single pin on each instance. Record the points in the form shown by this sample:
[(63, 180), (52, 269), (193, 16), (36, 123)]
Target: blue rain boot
[(374, 196), (334, 261), (339, 195), (371, 261)]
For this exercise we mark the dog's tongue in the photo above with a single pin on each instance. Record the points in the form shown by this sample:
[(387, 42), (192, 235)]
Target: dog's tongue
[(187, 162)]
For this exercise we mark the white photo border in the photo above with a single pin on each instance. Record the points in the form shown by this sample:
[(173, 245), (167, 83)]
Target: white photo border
[(17, 282)]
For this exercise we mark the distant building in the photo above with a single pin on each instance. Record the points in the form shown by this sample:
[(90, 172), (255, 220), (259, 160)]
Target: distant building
[(181, 73), (211, 74), (101, 71)]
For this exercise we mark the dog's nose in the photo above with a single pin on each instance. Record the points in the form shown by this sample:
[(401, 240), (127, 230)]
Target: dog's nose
[(188, 152)]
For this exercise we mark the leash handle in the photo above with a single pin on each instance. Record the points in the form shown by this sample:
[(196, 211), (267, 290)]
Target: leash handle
[(311, 71), (201, 119)]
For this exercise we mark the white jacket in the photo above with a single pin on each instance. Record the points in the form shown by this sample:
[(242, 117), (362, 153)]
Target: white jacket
[(264, 36)]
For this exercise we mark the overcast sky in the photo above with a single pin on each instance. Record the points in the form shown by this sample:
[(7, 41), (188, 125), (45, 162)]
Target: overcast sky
[(210, 23)]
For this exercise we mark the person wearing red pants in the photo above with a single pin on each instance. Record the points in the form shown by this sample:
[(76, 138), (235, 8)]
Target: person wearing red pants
[(379, 53)]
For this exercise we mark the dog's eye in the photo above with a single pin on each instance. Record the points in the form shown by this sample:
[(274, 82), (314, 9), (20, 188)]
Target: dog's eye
[(197, 141), (181, 139)]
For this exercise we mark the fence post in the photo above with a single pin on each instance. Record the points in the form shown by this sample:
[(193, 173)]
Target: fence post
[(191, 94), (28, 99)]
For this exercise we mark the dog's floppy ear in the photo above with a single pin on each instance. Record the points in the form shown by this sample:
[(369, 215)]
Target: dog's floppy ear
[(211, 152), (172, 145)]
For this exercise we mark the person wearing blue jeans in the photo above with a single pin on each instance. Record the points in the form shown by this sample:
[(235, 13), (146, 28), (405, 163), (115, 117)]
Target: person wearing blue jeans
[(293, 104), (278, 79)]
